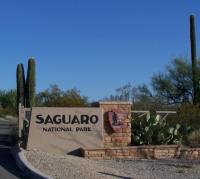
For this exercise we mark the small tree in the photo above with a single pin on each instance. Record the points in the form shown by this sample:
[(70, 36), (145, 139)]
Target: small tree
[(56, 97), (175, 85)]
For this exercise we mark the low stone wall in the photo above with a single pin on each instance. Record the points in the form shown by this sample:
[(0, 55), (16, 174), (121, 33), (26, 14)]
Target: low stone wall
[(143, 152)]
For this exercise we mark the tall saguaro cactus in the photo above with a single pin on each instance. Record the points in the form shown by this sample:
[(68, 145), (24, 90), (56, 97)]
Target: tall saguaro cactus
[(20, 85), (195, 79), (30, 83)]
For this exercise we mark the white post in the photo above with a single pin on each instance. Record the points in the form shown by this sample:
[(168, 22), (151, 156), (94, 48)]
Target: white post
[(20, 120)]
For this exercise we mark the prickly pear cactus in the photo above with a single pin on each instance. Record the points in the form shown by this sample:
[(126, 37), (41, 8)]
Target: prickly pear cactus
[(154, 130)]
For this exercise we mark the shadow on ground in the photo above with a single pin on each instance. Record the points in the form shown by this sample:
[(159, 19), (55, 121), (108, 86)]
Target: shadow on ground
[(8, 167)]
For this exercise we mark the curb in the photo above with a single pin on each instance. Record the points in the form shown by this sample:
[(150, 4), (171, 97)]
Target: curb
[(25, 165)]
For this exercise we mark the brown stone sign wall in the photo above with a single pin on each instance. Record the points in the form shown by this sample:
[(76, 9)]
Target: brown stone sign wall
[(117, 135), (64, 130)]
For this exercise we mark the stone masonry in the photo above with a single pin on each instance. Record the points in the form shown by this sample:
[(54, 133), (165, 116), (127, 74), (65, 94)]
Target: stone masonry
[(143, 152), (123, 136)]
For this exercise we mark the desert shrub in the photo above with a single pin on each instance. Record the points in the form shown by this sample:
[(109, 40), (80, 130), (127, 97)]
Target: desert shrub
[(189, 115), (8, 102), (193, 139)]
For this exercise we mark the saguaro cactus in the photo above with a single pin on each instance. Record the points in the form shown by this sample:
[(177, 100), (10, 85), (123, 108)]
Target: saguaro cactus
[(30, 83), (20, 85), (195, 79)]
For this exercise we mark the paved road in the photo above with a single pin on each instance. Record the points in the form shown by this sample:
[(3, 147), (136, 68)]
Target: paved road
[(8, 168)]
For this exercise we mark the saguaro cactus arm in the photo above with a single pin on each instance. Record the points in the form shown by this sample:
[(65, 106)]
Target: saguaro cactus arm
[(20, 85), (30, 83), (195, 79)]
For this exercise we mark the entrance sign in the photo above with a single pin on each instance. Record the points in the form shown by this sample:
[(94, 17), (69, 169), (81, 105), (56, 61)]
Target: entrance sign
[(64, 130)]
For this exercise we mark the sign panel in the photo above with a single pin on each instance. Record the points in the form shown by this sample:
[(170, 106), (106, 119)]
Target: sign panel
[(64, 130)]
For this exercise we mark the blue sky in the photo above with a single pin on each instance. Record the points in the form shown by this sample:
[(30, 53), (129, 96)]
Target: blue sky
[(93, 45)]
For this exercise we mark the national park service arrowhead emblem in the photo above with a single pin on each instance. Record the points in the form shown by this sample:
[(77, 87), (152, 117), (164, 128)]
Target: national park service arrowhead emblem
[(116, 119)]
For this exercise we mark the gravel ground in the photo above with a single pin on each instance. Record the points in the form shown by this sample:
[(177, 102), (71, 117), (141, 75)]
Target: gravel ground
[(71, 167)]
